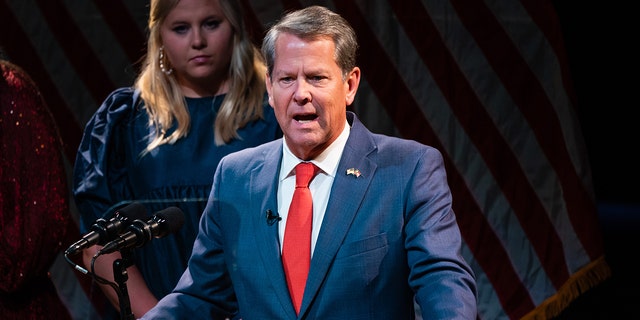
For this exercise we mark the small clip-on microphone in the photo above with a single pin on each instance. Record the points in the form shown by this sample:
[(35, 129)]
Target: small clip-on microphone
[(272, 218)]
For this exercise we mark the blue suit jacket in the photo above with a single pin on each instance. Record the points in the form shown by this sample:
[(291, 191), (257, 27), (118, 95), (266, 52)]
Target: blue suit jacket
[(388, 236)]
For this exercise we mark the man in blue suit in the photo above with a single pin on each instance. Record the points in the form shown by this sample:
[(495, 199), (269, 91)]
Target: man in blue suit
[(383, 233)]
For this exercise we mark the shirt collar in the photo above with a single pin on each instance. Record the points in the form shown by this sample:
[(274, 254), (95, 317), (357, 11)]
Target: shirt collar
[(327, 161)]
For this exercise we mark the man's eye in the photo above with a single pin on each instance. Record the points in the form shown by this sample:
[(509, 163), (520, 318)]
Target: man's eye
[(317, 79)]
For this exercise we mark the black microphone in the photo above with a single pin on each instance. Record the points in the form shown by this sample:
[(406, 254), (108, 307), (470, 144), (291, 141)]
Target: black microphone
[(104, 231), (272, 218), (139, 232)]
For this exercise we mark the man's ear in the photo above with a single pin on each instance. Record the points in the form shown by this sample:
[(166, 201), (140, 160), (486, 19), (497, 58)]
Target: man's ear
[(268, 85), (353, 81)]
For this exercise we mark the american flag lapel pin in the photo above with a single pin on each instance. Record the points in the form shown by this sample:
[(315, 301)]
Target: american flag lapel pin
[(353, 171)]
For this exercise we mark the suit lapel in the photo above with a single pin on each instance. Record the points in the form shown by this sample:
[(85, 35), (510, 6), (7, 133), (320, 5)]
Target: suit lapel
[(342, 206), (264, 185)]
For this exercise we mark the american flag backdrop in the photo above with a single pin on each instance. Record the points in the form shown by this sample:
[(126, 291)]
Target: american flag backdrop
[(485, 82)]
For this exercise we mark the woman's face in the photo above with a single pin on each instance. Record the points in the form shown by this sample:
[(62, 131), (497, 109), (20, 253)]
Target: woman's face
[(198, 43)]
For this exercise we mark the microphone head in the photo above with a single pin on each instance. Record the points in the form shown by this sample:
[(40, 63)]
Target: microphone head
[(140, 232), (131, 212), (171, 219), (104, 231)]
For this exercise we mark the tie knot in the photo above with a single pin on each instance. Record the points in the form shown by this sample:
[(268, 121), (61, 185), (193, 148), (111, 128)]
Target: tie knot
[(305, 171)]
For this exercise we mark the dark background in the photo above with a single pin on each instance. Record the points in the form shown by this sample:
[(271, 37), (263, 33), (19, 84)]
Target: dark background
[(601, 48)]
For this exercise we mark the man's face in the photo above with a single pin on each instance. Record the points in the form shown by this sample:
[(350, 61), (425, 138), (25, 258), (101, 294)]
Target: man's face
[(309, 94)]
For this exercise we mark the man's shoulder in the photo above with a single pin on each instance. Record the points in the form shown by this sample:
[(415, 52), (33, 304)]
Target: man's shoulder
[(397, 142), (267, 149), (395, 147)]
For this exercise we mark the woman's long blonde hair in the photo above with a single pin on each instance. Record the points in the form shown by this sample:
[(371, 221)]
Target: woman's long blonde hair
[(165, 102)]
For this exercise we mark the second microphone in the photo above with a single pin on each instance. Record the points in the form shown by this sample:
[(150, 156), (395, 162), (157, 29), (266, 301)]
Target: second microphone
[(140, 232)]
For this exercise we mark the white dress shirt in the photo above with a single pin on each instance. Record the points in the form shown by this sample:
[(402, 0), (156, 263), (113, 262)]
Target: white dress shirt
[(320, 186)]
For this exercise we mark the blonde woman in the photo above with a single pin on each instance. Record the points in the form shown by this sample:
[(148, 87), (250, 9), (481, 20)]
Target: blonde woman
[(199, 97)]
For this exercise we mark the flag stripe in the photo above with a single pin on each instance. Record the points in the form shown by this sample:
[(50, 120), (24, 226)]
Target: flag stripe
[(253, 24), (533, 102), (122, 24), (544, 15), (78, 51), (442, 66), (514, 183), (24, 54), (580, 203)]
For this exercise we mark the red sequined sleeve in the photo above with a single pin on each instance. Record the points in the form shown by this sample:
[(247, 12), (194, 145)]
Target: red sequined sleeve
[(34, 199)]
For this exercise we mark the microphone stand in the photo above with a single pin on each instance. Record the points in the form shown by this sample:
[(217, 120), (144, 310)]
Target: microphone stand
[(120, 276)]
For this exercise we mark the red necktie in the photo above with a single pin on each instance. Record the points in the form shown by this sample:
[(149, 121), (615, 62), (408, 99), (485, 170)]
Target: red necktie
[(296, 251)]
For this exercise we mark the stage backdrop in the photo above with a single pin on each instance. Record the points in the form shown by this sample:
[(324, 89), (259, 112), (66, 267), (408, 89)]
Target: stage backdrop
[(485, 82)]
